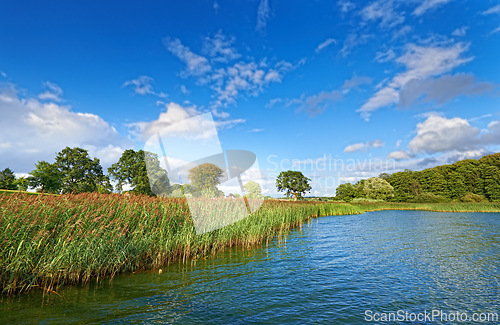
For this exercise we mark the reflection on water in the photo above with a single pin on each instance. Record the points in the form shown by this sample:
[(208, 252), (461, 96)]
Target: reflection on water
[(329, 272)]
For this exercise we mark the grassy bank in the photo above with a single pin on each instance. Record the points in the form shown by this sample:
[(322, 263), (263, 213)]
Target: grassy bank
[(47, 241), (438, 207)]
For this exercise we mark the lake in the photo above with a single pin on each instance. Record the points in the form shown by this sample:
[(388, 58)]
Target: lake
[(331, 271)]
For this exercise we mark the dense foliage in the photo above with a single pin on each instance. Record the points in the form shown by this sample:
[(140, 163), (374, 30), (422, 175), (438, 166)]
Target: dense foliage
[(293, 183), (467, 180)]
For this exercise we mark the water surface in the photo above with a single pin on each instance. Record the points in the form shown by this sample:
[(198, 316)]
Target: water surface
[(330, 272)]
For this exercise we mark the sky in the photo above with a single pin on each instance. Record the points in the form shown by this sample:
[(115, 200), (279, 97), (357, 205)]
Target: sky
[(340, 90)]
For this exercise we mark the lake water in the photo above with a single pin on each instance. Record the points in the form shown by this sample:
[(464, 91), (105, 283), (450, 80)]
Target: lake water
[(332, 271)]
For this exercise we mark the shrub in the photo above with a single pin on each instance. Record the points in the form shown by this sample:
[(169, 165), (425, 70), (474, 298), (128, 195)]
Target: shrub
[(429, 198), (365, 200), (471, 197)]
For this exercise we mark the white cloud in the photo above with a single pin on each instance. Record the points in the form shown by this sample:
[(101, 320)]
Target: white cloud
[(345, 6), (53, 92), (3, 74), (263, 12), (352, 41), (273, 102), (196, 65), (441, 89), (325, 43), (440, 134), (143, 86), (317, 103), (496, 30), (355, 82), (177, 120), (34, 130), (384, 11), (184, 90), (461, 31), (399, 155), (364, 146), (401, 32), (385, 56), (216, 6), (256, 130), (492, 10), (421, 62), (427, 5), (228, 82), (220, 48)]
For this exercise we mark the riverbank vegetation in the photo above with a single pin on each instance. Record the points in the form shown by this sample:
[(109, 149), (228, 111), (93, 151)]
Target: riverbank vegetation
[(438, 207), (467, 180), (48, 241)]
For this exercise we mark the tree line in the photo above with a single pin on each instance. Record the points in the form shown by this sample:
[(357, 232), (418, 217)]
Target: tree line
[(467, 180), (74, 171)]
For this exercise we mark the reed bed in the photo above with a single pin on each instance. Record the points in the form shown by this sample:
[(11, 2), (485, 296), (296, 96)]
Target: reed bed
[(48, 241), (437, 207)]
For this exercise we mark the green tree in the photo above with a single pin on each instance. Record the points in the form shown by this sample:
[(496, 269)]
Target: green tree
[(46, 177), (22, 183), (345, 192), (253, 190), (293, 183), (7, 180), (490, 175), (378, 189), (132, 169), (204, 180), (79, 172)]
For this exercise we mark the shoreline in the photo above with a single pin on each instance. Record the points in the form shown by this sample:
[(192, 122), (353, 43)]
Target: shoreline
[(52, 241)]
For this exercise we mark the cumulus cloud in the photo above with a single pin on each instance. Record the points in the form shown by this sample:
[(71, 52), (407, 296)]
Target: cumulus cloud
[(143, 86), (441, 134), (178, 121), (325, 43), (364, 146), (33, 130), (427, 5), (52, 92), (263, 12), (421, 62)]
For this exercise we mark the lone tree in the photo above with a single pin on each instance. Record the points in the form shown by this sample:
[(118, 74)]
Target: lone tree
[(204, 180), (294, 183), (253, 190)]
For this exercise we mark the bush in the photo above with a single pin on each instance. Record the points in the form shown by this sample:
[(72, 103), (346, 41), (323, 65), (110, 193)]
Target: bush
[(429, 198), (365, 200), (471, 197)]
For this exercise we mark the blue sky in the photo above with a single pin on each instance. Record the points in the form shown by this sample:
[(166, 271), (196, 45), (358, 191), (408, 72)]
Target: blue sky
[(340, 90)]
